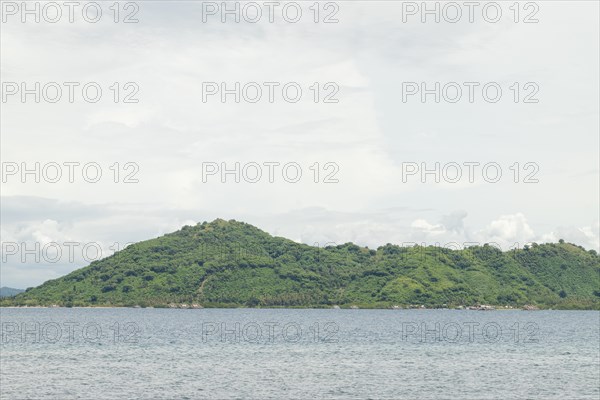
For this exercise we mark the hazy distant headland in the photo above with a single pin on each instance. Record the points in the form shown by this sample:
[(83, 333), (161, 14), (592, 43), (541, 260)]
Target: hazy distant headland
[(234, 264), (8, 292)]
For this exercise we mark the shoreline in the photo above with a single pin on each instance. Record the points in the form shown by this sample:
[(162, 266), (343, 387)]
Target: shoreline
[(499, 308)]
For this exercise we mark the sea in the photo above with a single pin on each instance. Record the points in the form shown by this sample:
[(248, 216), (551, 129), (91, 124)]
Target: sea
[(143, 353)]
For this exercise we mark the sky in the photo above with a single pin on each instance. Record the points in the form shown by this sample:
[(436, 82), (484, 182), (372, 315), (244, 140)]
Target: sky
[(368, 151)]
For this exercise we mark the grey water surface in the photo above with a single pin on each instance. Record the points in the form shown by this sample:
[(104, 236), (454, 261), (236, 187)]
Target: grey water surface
[(126, 353)]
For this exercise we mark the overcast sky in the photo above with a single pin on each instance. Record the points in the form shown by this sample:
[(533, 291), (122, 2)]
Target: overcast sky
[(369, 136)]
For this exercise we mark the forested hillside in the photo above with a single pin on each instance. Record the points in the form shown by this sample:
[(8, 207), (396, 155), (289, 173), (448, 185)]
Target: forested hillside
[(229, 263)]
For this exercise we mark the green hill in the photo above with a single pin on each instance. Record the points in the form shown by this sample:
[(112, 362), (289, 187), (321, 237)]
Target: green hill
[(229, 263)]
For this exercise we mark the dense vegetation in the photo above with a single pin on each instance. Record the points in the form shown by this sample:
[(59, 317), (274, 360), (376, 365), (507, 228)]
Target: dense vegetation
[(229, 263)]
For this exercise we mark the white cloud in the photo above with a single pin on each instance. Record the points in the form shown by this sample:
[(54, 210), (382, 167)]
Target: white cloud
[(507, 229), (368, 134)]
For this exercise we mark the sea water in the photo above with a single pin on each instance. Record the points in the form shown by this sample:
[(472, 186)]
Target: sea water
[(120, 353)]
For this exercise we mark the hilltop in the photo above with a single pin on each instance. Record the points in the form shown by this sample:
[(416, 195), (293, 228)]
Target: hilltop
[(230, 263)]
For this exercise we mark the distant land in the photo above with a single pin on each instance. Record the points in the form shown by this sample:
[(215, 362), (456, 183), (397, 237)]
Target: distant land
[(7, 292), (234, 264)]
